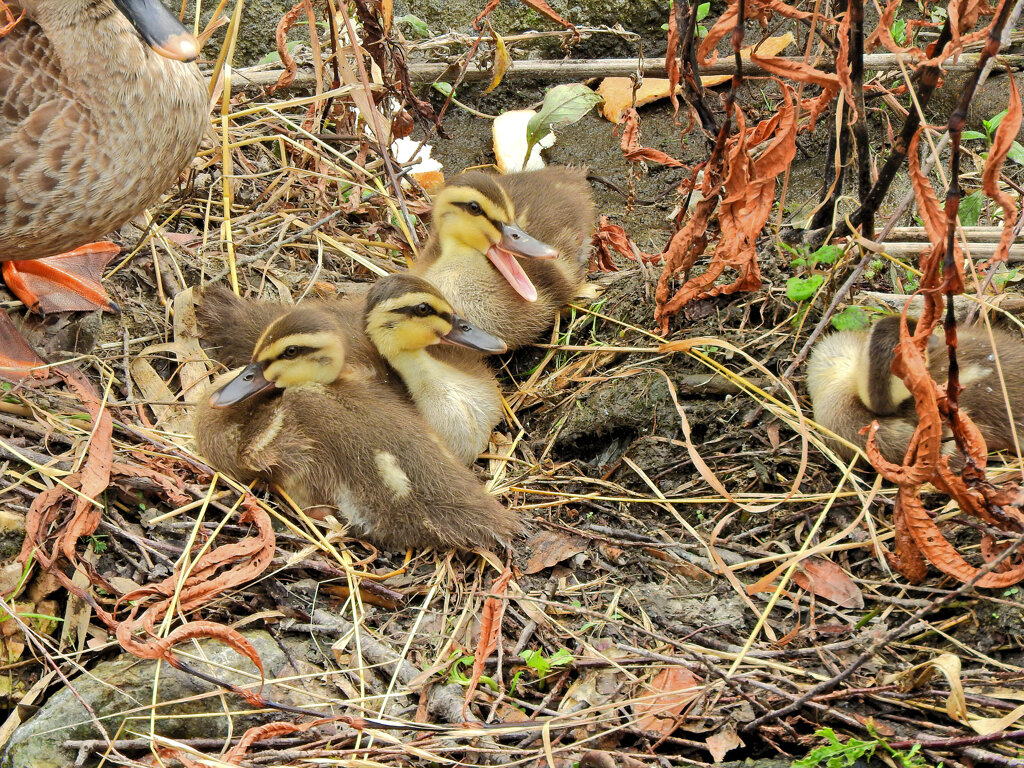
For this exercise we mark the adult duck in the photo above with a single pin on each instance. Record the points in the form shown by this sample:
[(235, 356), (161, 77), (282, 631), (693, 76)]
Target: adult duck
[(101, 108)]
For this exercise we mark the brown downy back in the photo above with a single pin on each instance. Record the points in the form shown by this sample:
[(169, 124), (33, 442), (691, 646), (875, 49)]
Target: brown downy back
[(850, 381)]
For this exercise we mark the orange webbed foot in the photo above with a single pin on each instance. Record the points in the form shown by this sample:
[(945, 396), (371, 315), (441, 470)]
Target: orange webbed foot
[(67, 282), (17, 359)]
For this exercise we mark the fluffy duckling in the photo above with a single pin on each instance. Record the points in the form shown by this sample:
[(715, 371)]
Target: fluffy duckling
[(326, 433), (850, 381), (497, 276), (456, 394), (389, 331)]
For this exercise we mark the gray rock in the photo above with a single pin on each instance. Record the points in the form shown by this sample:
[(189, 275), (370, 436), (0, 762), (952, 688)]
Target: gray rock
[(123, 688)]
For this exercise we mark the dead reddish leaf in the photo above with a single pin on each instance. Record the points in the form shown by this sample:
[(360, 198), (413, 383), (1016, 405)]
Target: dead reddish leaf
[(611, 237), (490, 630), (552, 547), (676, 688), (928, 205), (826, 579), (630, 143), (1006, 133), (538, 5), (722, 742), (749, 191)]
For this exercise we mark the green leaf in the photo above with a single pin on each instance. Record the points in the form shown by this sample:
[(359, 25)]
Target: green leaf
[(970, 208), (702, 11), (444, 88), (851, 319), (971, 135), (563, 105), (1016, 153), (835, 754), (993, 123), (560, 658), (827, 254), (415, 23), (536, 661), (899, 31), (274, 57), (1009, 276), (802, 288)]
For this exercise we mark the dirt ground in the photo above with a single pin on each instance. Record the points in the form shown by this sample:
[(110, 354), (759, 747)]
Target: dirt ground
[(644, 623)]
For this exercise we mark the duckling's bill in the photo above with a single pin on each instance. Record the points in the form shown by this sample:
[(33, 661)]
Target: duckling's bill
[(514, 241), (249, 382), (465, 334), (160, 29)]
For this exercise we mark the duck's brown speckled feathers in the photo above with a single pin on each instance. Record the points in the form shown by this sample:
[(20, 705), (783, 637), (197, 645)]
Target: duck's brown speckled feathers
[(850, 381), (94, 125), (555, 206)]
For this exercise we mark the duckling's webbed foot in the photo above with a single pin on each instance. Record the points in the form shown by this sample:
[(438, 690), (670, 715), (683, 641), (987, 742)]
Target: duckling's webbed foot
[(67, 282)]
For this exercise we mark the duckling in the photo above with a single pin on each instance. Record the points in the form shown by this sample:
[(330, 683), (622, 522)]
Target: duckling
[(457, 395), (480, 224), (322, 429), (850, 381), (103, 107), (389, 332)]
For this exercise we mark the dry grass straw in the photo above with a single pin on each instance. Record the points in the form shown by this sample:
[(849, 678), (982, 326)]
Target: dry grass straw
[(277, 210)]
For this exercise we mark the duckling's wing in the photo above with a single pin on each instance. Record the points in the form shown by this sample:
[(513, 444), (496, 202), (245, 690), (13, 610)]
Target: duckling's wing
[(230, 326)]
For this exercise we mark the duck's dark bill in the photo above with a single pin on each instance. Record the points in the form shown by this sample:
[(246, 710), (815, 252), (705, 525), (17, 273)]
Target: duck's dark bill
[(160, 29), (516, 240), (465, 334), (249, 382)]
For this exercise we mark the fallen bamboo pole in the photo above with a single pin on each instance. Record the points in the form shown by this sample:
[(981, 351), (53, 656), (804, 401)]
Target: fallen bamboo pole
[(582, 69)]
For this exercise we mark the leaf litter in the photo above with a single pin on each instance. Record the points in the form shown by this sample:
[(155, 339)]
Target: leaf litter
[(661, 616)]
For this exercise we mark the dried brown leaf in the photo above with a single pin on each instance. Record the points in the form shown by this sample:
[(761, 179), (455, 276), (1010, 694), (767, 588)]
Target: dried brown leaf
[(722, 742), (826, 579), (552, 547), (676, 688)]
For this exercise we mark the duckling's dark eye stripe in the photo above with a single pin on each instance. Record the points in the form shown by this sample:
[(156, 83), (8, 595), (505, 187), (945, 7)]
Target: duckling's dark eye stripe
[(298, 351), (412, 311)]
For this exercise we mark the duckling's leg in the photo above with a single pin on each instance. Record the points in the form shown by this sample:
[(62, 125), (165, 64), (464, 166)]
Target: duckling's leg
[(67, 282), (17, 359)]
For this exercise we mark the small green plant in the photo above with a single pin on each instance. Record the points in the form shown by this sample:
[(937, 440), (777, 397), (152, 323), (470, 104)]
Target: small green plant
[(874, 267), (415, 24), (1016, 153), (801, 288), (98, 544), (544, 665), (836, 754), (457, 675), (970, 208), (1013, 275), (851, 319), (702, 13), (898, 30)]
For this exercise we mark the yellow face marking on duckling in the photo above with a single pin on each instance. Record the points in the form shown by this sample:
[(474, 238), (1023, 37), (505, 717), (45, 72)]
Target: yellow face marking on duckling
[(466, 217), (409, 323), (301, 358), (391, 473)]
